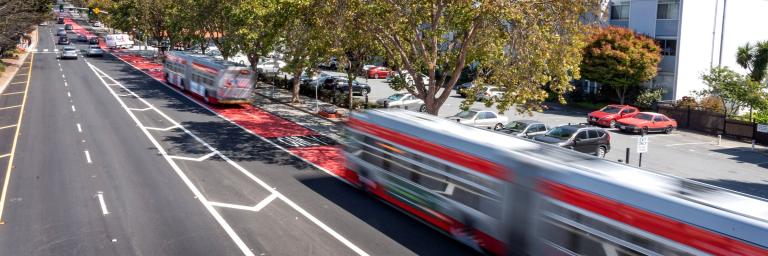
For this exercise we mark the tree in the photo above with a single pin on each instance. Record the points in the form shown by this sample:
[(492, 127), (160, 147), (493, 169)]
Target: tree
[(733, 89), (620, 58), (524, 47), (262, 24), (754, 58), (19, 17)]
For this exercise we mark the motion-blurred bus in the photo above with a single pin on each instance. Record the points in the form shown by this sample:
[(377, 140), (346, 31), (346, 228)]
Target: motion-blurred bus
[(214, 80), (505, 195)]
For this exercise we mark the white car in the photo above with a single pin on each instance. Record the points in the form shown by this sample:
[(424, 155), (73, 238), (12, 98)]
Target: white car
[(490, 93), (97, 24), (408, 78), (270, 66), (94, 50), (69, 52), (404, 101), (480, 118)]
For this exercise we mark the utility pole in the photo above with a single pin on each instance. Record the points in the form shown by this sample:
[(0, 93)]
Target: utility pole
[(722, 35)]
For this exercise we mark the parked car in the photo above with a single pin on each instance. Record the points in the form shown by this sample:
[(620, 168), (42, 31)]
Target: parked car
[(332, 63), (490, 93), (94, 50), (525, 128), (61, 32), (407, 77), (69, 52), (270, 66), (82, 38), (608, 115), (583, 138), (378, 72), (97, 24), (64, 40), (645, 122), (463, 89), (93, 41), (44, 23), (404, 101), (318, 81), (480, 119), (68, 27), (342, 84)]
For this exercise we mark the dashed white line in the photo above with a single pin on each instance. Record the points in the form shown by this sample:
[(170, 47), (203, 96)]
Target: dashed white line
[(55, 50), (65, 84), (62, 76), (88, 157), (73, 108), (69, 95), (45, 50), (103, 204), (79, 128)]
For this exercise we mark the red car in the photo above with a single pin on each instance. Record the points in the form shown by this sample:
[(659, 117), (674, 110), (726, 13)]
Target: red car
[(378, 72), (645, 122), (608, 115)]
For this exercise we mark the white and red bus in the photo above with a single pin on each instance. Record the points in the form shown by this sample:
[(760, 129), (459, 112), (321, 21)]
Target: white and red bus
[(214, 80), (506, 195)]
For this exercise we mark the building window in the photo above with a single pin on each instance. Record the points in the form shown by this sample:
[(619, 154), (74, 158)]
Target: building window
[(620, 10), (668, 47), (668, 9)]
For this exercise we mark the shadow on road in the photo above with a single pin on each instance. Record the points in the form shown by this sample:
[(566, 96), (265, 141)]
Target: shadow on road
[(408, 232), (745, 155), (754, 189)]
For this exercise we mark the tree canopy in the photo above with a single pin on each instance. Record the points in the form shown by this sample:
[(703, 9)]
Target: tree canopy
[(754, 58), (19, 17), (620, 58), (735, 90)]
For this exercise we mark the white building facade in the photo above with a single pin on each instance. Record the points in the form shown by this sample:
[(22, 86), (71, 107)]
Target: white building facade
[(694, 35)]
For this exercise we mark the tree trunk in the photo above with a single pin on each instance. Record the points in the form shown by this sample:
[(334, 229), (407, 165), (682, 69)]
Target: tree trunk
[(621, 91), (296, 80)]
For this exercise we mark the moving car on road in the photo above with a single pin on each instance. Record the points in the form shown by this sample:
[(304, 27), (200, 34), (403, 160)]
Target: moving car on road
[(645, 122), (68, 27), (524, 128), (60, 20), (94, 50), (215, 80), (61, 32), (93, 41), (403, 100), (64, 40), (608, 115), (69, 52), (480, 118), (583, 138), (82, 38)]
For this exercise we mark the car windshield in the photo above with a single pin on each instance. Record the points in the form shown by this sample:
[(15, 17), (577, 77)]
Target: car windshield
[(466, 114), (611, 109), (515, 126), (95, 47), (394, 97), (644, 116), (563, 132)]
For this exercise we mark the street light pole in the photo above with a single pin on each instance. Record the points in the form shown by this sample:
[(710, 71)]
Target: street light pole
[(722, 35)]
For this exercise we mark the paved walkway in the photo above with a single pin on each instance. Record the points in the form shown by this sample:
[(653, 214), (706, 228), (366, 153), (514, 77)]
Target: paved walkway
[(12, 65)]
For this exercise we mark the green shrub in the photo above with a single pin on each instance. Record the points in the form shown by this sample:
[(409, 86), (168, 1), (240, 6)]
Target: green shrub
[(649, 97), (712, 103), (687, 101), (2, 67)]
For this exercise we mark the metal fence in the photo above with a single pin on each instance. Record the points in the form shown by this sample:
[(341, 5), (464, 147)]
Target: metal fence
[(711, 122)]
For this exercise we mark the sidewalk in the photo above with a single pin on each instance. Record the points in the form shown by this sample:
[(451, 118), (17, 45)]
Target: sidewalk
[(12, 65), (276, 101)]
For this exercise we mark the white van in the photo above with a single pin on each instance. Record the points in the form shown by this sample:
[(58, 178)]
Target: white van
[(115, 41)]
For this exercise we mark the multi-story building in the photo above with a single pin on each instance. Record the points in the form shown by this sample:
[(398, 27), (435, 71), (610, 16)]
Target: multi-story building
[(695, 35)]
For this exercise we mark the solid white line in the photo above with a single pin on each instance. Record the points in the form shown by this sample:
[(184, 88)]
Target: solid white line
[(104, 210), (199, 159), (139, 109), (3, 108), (162, 129), (199, 195), (79, 128), (73, 108), (245, 172), (87, 157), (69, 95), (264, 202)]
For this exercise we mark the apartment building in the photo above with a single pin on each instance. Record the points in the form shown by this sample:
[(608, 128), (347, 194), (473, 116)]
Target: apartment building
[(694, 35)]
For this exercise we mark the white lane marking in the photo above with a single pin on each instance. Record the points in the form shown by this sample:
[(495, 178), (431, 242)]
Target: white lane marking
[(103, 204), (237, 166), (199, 195), (73, 108), (254, 208), (162, 129), (3, 108), (69, 95), (65, 84), (690, 143), (12, 93), (5, 127), (6, 155), (199, 159), (62, 76), (79, 128), (55, 50), (60, 70), (264, 202), (19, 82), (139, 109), (87, 157)]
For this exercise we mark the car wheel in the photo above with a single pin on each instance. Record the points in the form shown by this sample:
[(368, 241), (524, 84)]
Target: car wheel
[(668, 130), (600, 152), (375, 76), (644, 131), (613, 124), (423, 108), (498, 127)]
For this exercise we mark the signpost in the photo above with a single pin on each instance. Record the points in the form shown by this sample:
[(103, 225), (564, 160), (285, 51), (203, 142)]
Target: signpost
[(642, 147)]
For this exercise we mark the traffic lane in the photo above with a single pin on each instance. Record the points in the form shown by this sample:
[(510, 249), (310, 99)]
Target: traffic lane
[(279, 169), (151, 209)]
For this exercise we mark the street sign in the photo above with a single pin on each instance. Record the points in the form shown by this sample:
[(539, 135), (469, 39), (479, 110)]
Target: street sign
[(642, 144), (762, 128)]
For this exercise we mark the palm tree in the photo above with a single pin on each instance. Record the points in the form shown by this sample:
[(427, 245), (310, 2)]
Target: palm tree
[(754, 58)]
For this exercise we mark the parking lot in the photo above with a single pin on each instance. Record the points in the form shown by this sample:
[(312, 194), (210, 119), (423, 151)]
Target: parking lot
[(730, 164)]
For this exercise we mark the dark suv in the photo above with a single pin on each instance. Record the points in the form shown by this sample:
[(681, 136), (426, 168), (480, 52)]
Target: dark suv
[(583, 138)]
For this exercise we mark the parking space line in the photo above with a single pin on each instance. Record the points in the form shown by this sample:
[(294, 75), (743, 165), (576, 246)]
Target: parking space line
[(12, 93), (22, 82), (9, 168), (4, 108), (199, 159), (6, 155), (690, 143), (237, 166), (9, 126)]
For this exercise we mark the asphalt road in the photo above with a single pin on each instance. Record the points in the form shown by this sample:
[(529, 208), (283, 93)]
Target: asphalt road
[(111, 162)]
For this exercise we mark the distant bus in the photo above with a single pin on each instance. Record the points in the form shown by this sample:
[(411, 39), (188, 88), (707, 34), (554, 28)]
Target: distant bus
[(506, 195), (215, 80)]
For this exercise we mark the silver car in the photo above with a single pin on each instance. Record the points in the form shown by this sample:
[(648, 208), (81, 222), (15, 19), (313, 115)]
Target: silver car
[(524, 128), (69, 52), (61, 32), (404, 101), (480, 118), (94, 50)]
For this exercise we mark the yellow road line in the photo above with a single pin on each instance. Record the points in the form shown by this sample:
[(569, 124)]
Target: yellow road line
[(4, 192)]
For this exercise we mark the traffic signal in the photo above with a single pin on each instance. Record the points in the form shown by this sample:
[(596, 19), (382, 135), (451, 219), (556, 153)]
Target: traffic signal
[(96, 10)]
